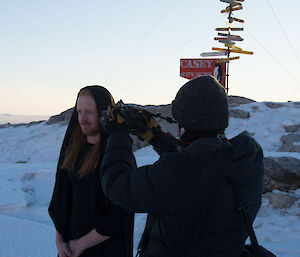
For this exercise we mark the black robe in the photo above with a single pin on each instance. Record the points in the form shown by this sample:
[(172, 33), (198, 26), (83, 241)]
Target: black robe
[(108, 219)]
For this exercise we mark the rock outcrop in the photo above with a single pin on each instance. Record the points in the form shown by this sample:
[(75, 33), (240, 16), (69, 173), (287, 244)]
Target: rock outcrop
[(290, 143), (282, 173), (292, 128), (238, 100), (274, 105), (63, 118), (239, 114), (32, 123), (279, 200)]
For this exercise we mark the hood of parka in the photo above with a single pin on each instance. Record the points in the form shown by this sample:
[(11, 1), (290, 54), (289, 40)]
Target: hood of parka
[(244, 154), (103, 99), (246, 160)]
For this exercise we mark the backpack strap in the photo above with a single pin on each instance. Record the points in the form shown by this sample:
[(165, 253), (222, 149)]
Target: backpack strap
[(244, 209)]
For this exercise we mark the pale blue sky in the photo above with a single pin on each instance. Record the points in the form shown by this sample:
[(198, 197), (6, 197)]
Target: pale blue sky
[(51, 49)]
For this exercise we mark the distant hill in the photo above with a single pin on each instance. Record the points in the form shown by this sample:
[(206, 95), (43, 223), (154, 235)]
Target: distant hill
[(15, 118)]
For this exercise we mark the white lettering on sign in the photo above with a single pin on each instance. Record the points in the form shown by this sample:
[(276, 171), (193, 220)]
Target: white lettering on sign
[(194, 74), (196, 63)]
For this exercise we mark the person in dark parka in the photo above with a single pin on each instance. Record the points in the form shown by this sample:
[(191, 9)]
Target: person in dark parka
[(87, 223), (192, 210)]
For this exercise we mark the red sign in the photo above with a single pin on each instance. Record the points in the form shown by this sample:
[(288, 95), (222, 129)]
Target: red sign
[(193, 68)]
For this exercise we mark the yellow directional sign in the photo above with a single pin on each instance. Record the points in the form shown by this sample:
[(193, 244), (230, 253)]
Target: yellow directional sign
[(232, 50), (236, 48), (227, 59)]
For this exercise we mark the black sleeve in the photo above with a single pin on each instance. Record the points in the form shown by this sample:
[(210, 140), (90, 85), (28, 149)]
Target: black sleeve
[(163, 142), (114, 220), (61, 202), (144, 189)]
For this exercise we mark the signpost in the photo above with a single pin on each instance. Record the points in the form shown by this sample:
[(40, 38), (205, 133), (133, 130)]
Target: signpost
[(219, 68), (229, 39)]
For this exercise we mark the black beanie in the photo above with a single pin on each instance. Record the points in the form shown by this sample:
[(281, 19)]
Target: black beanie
[(201, 104)]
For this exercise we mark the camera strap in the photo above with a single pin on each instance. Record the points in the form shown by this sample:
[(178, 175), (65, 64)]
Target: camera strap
[(244, 209)]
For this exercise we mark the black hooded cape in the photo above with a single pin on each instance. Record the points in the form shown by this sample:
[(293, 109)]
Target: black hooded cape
[(108, 218)]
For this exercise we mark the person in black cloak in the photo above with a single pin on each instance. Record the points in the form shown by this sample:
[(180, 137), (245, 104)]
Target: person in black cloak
[(87, 223)]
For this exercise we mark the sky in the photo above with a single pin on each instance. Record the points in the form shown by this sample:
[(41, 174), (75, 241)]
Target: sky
[(51, 49)]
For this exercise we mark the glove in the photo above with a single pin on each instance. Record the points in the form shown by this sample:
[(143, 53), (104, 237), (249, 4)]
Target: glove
[(151, 126), (113, 121)]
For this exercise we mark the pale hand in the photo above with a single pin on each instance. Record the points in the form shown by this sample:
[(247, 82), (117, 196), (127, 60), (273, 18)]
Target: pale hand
[(63, 250), (76, 250)]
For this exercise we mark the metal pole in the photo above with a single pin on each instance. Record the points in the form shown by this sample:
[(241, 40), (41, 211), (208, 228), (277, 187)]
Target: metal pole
[(228, 53), (227, 77)]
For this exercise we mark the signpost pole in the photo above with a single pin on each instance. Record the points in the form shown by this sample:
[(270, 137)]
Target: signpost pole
[(227, 76)]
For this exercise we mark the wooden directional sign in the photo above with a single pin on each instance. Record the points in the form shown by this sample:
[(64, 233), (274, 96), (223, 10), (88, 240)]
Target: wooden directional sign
[(235, 38), (231, 1), (226, 41), (232, 9), (232, 50), (221, 38), (238, 20), (207, 54), (227, 29), (222, 60), (227, 35), (230, 37)]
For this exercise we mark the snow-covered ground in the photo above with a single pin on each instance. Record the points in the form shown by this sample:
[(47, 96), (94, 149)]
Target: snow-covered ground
[(28, 157)]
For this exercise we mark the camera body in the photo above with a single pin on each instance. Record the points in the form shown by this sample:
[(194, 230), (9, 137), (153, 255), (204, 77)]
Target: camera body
[(134, 118)]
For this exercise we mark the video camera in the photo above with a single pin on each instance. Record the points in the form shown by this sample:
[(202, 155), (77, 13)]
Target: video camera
[(135, 118)]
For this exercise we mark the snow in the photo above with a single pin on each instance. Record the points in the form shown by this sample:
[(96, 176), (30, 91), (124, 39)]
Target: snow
[(28, 158)]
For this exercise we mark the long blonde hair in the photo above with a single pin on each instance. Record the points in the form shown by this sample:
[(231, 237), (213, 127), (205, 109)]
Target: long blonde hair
[(77, 141)]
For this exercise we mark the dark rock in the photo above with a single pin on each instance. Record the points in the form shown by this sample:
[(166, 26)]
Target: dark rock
[(288, 143), (282, 173), (21, 124), (238, 100), (280, 201), (6, 125), (28, 176), (273, 105), (292, 128), (63, 118), (240, 114)]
